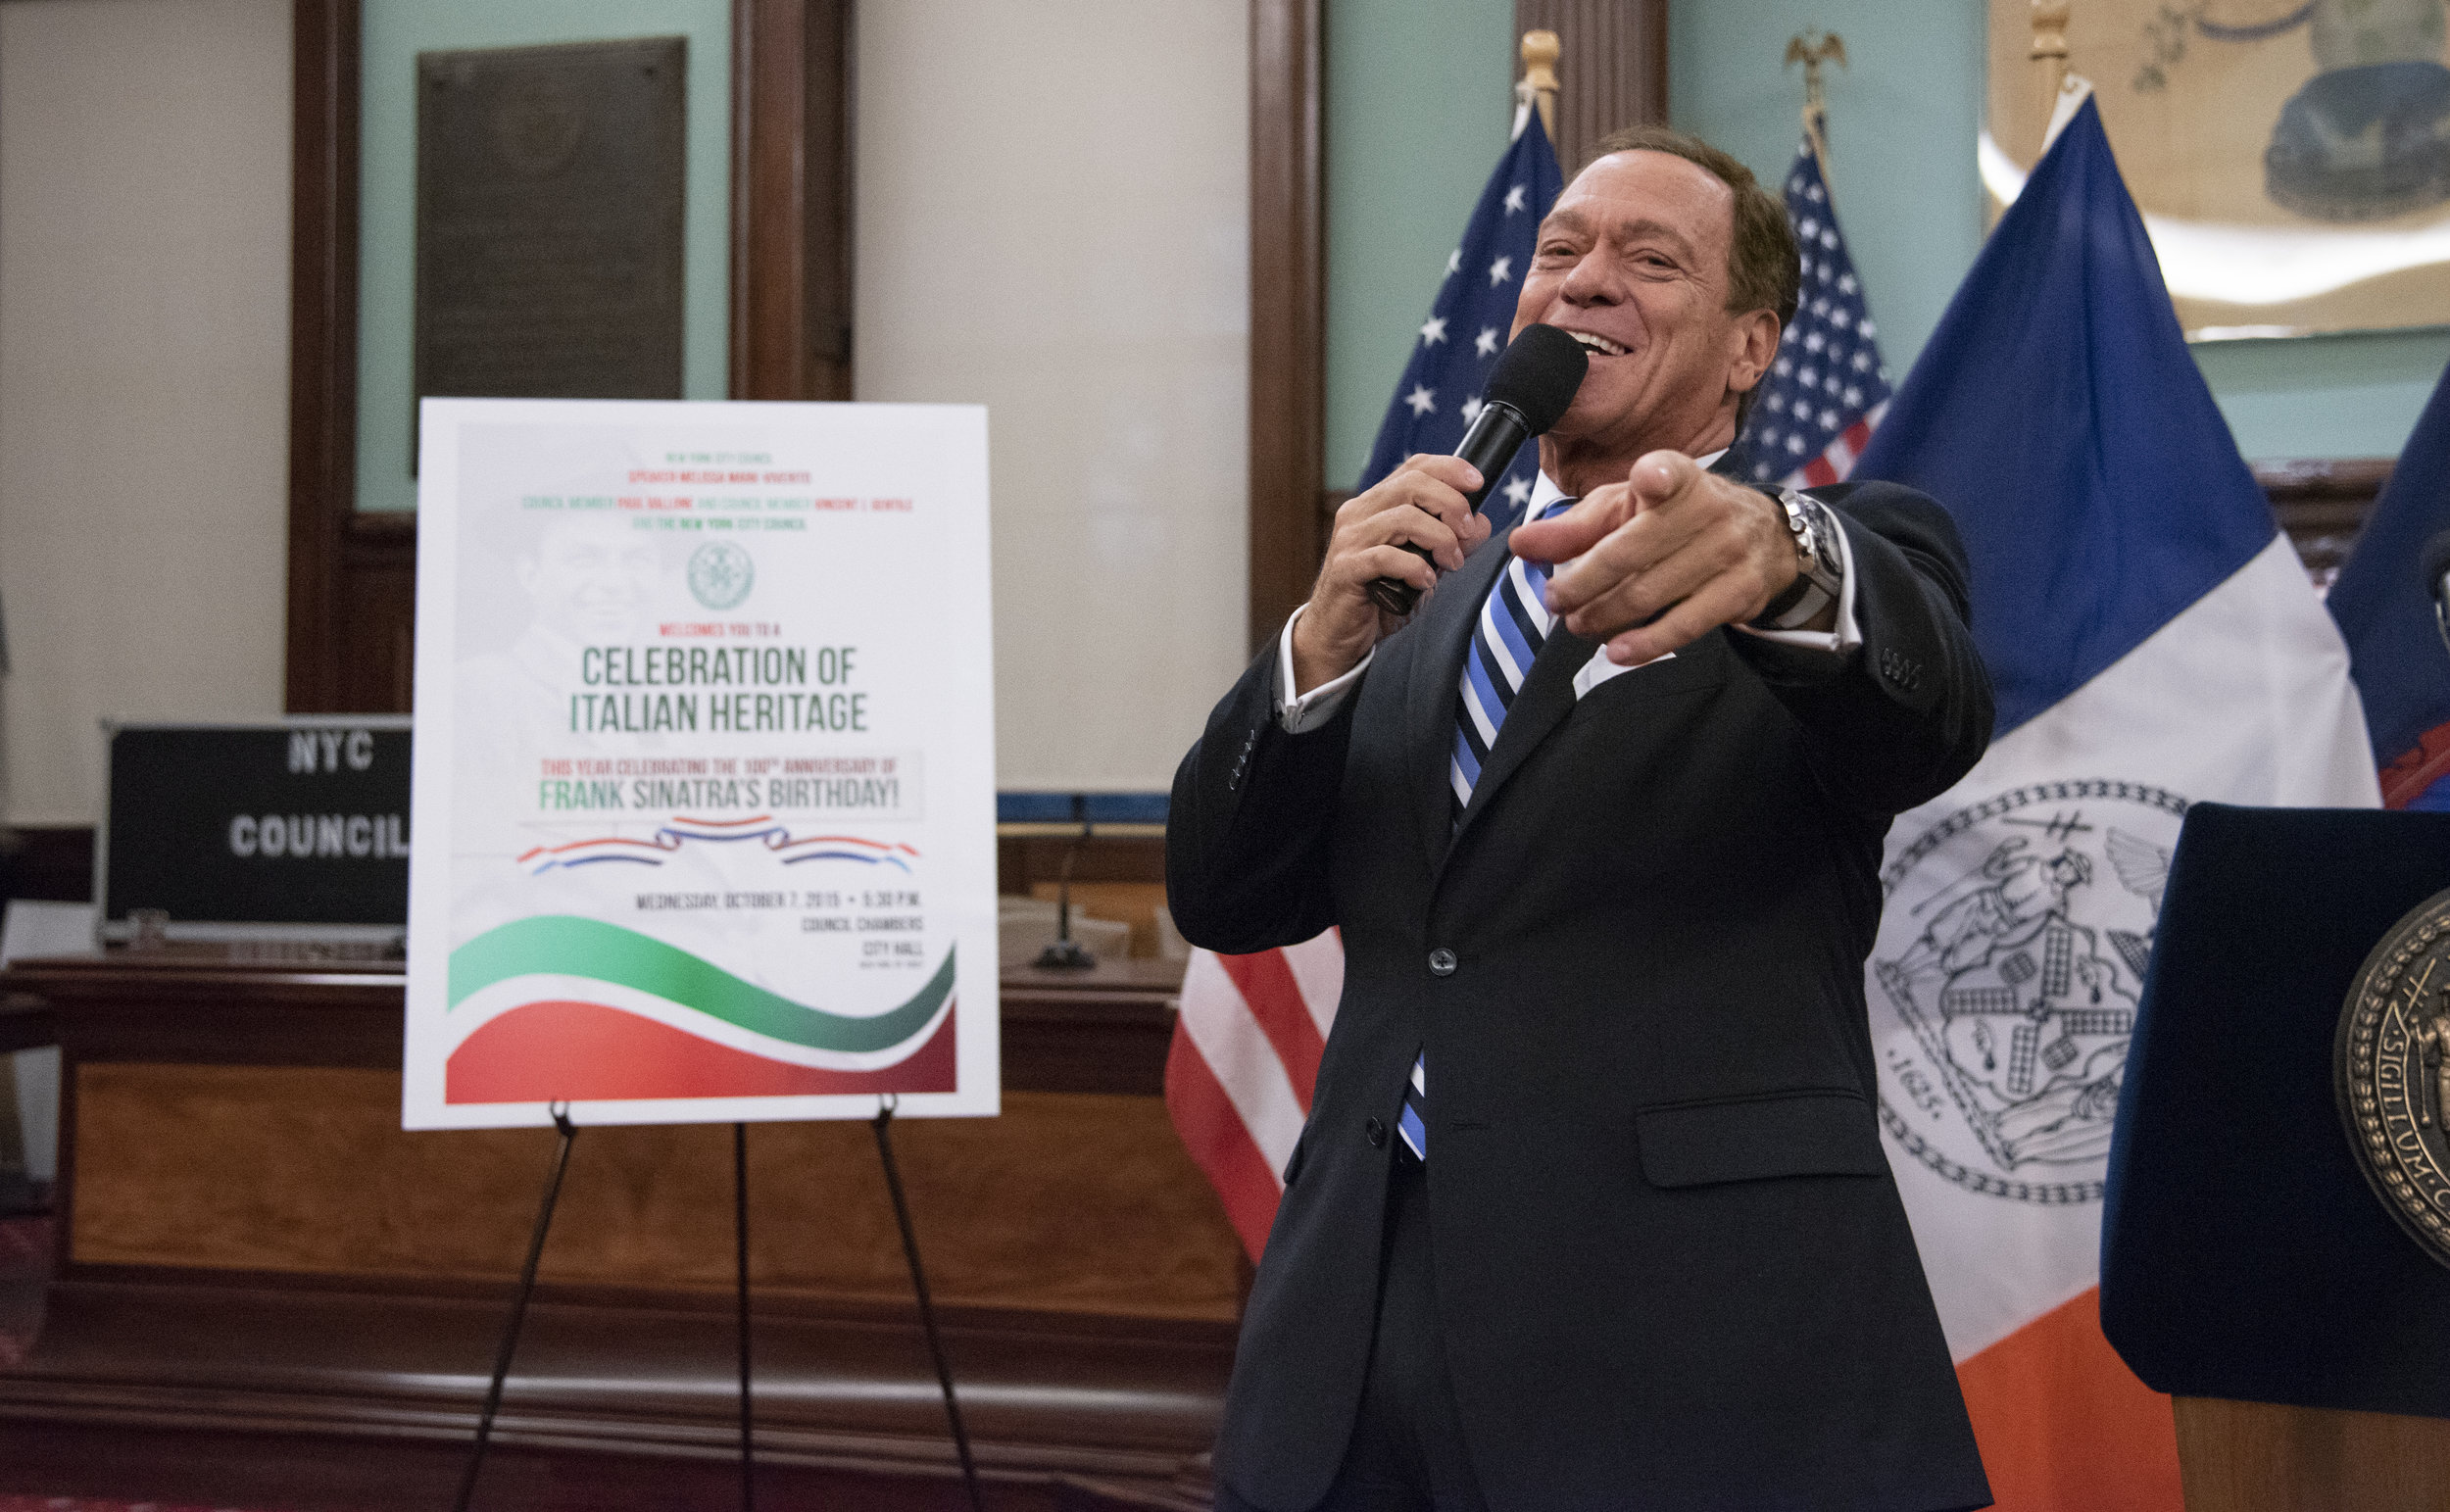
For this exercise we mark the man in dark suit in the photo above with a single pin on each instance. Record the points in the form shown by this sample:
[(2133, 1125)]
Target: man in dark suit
[(1591, 1209)]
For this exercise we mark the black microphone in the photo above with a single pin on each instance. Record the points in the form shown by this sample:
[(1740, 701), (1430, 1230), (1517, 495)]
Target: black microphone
[(1535, 379), (2436, 560)]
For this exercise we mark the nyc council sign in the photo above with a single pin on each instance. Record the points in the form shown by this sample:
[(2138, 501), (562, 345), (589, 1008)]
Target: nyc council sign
[(705, 768)]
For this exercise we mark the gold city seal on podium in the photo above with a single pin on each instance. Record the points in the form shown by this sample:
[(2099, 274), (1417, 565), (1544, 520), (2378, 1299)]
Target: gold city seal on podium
[(2391, 1066)]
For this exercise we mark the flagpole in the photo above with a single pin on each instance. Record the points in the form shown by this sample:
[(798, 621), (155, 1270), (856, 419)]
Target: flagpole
[(1538, 85), (1812, 49), (2050, 52)]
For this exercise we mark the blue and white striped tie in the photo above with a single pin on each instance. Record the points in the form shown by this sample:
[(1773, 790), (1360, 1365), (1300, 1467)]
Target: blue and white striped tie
[(1513, 622)]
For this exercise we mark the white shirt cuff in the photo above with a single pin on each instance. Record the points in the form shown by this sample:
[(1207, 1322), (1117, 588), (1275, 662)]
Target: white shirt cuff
[(1315, 707), (1839, 642)]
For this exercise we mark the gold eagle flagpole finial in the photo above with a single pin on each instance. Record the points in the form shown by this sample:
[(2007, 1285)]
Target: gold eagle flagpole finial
[(1539, 86), (1812, 48)]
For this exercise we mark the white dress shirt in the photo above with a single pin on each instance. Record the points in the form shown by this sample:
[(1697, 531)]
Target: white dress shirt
[(1308, 711)]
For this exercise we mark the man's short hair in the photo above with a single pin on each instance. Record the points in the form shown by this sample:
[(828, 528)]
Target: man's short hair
[(1763, 266)]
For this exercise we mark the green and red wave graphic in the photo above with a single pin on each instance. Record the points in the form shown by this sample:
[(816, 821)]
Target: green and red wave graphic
[(567, 1048)]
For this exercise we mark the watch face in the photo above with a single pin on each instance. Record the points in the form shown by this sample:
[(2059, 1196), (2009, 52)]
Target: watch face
[(1820, 554)]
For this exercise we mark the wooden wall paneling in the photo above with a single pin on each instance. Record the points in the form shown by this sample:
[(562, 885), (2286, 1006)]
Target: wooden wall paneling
[(827, 206), (1288, 381), (1611, 67), (303, 1467), (352, 576), (264, 1276), (2323, 504), (359, 1402), (1022, 861), (791, 203), (1330, 499), (305, 1169), (768, 101), (377, 633), (1104, 1030), (322, 350)]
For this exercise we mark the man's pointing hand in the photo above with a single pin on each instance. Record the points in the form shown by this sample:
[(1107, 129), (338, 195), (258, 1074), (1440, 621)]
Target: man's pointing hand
[(1657, 562)]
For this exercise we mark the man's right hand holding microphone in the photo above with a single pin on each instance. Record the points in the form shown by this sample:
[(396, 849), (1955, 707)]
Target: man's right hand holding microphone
[(1423, 502)]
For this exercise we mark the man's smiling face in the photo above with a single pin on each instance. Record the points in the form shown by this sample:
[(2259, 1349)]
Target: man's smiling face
[(1632, 262)]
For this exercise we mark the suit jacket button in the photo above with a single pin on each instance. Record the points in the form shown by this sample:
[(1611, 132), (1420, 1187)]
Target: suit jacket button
[(1441, 962), (1376, 1132)]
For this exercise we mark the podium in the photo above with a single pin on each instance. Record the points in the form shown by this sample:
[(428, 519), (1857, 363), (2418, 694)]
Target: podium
[(2247, 1267)]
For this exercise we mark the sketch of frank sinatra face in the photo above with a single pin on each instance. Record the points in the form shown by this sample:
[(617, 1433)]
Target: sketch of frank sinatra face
[(590, 579)]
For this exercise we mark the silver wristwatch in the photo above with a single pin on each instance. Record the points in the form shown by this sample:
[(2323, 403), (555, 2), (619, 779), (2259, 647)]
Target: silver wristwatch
[(1819, 570)]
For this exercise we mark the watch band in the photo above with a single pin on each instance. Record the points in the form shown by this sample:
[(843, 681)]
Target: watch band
[(1819, 567)]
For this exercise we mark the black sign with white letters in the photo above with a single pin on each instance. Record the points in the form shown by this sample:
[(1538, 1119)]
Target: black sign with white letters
[(304, 822)]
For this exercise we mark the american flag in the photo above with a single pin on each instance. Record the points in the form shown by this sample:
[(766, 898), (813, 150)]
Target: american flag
[(1467, 325), (1247, 1047), (1245, 1058), (1827, 390)]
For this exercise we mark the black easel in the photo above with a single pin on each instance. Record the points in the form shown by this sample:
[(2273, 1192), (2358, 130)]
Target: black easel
[(740, 1235), (882, 1124), (518, 1306)]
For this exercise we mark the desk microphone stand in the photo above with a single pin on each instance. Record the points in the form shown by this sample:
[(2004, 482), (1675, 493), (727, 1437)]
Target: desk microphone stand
[(1064, 953)]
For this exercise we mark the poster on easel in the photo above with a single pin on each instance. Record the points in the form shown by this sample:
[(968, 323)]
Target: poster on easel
[(704, 769)]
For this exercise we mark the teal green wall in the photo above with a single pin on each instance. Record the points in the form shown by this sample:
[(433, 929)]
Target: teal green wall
[(2324, 396), (1902, 121), (1416, 109), (394, 33), (1419, 100)]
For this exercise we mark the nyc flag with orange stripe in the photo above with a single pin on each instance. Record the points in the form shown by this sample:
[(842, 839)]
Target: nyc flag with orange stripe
[(2153, 642)]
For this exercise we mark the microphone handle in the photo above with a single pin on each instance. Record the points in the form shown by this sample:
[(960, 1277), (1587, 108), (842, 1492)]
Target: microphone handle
[(1497, 432)]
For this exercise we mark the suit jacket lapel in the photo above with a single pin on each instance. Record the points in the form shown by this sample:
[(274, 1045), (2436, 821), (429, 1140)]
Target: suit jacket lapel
[(1428, 711)]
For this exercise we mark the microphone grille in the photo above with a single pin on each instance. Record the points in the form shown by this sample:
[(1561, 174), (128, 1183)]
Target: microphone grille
[(1537, 375)]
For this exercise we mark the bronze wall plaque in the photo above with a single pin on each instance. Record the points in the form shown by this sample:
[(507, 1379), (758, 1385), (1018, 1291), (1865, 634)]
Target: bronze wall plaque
[(548, 221)]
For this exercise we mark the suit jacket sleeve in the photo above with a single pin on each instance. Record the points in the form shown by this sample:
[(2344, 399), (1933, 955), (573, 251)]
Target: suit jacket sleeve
[(1247, 838), (1897, 723)]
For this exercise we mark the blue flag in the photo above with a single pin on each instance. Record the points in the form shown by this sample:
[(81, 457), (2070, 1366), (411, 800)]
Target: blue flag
[(1467, 325), (2385, 611), (2058, 416)]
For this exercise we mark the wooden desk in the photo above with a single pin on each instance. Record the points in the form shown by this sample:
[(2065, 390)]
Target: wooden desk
[(268, 1294)]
